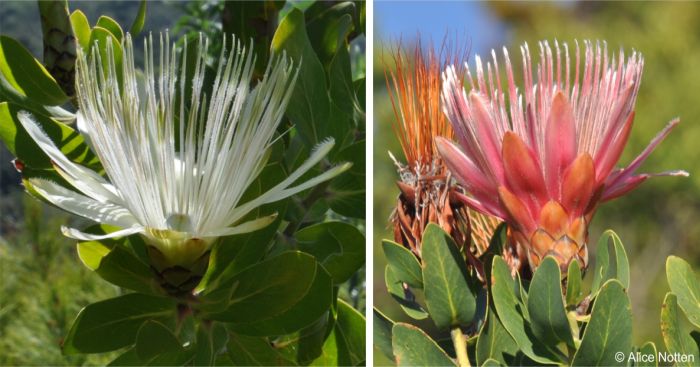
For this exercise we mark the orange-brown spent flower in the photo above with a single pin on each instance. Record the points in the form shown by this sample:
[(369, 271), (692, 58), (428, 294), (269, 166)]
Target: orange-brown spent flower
[(427, 189), (414, 89)]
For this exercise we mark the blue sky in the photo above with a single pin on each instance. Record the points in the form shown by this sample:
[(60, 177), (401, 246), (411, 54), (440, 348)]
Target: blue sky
[(469, 22)]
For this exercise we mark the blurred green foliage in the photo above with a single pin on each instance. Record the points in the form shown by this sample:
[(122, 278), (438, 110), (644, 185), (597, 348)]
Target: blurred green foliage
[(42, 289), (656, 220)]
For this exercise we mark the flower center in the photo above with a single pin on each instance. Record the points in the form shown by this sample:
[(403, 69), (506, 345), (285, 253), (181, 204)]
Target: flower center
[(177, 244)]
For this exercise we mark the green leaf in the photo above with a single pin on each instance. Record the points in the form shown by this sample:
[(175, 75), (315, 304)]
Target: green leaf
[(359, 86), (676, 336), (360, 17), (403, 295), (695, 334), (498, 241), (339, 246), (494, 342), (448, 297), (510, 311), (645, 352), (403, 263), (491, 363), (99, 37), (350, 334), (413, 347), (315, 303), (309, 106), (346, 193), (232, 254), (573, 284), (328, 28), (342, 91), (27, 76), (156, 345), (112, 26), (546, 305), (119, 267), (345, 110), (81, 28), (211, 340), (330, 352), (346, 344), (610, 329), (685, 285), (604, 269), (268, 289), (307, 344), (91, 253), (381, 331), (497, 244), (254, 351), (23, 147), (139, 21), (112, 324), (126, 359), (251, 20)]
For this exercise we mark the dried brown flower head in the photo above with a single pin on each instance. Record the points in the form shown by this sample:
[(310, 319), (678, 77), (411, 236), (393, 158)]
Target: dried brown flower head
[(427, 189)]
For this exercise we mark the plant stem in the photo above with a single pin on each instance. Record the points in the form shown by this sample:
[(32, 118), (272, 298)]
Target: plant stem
[(460, 347)]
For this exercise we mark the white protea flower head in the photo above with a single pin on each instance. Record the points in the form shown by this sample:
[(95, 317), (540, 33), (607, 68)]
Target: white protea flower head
[(177, 168)]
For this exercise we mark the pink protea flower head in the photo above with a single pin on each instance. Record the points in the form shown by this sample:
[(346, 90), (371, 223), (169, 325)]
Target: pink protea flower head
[(543, 158)]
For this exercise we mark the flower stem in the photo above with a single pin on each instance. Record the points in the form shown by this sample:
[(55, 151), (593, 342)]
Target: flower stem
[(460, 344)]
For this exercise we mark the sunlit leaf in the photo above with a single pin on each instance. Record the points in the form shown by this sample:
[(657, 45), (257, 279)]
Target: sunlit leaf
[(546, 305), (381, 328), (413, 347), (156, 345), (346, 193), (610, 329), (449, 299), (685, 285), (339, 246), (494, 342), (254, 351), (309, 107), (604, 269), (403, 295), (510, 311), (211, 340), (315, 303), (403, 263), (345, 346), (81, 28), (268, 288), (677, 337), (140, 19), (27, 75), (111, 324)]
